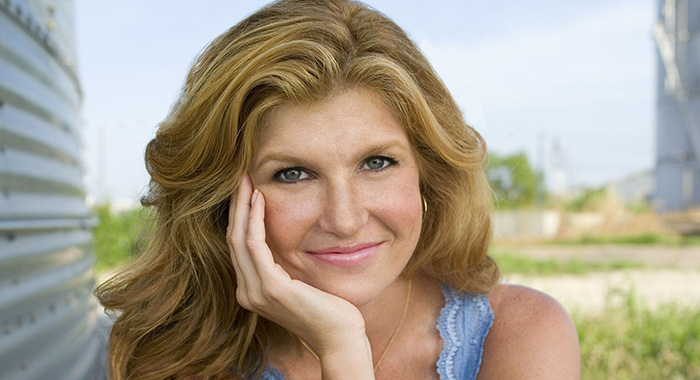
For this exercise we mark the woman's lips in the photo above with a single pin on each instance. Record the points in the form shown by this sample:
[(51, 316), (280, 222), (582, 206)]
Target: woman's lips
[(346, 256)]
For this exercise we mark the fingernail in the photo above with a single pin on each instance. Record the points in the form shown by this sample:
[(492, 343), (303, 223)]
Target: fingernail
[(255, 195)]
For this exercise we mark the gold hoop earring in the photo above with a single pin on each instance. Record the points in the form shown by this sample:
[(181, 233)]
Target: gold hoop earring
[(425, 205)]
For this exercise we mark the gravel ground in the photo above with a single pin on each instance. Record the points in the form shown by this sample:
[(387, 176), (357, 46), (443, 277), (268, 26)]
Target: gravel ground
[(670, 274), (590, 292)]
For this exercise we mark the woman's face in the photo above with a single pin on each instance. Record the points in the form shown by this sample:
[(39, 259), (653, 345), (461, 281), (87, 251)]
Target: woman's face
[(343, 205)]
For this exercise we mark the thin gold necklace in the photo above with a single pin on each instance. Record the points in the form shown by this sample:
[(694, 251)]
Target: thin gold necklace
[(391, 340)]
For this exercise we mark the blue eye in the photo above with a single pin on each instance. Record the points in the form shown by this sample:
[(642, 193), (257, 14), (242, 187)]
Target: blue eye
[(291, 175), (377, 163)]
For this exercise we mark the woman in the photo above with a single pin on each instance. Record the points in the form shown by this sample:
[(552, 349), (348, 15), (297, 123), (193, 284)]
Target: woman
[(354, 245)]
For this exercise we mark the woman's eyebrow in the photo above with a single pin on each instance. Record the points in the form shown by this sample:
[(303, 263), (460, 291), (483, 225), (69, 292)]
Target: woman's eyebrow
[(379, 149), (280, 157), (372, 150)]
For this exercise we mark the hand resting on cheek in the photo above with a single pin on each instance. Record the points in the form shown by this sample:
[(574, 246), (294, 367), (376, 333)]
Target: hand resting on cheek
[(331, 326)]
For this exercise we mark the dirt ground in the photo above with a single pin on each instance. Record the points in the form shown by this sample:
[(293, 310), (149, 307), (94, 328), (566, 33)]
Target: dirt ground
[(669, 274)]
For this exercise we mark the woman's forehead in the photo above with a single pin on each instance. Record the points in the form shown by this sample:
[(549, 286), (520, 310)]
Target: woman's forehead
[(352, 118)]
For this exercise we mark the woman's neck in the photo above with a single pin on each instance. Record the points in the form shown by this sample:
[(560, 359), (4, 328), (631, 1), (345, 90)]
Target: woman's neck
[(384, 314)]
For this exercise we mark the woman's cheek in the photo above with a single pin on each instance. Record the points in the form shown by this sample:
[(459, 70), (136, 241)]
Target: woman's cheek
[(287, 220), (403, 210), (401, 199)]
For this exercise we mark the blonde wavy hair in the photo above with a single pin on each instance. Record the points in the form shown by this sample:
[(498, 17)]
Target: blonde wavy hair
[(176, 304)]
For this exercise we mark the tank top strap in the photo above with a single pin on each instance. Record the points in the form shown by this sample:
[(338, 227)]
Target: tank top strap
[(463, 324), (271, 373)]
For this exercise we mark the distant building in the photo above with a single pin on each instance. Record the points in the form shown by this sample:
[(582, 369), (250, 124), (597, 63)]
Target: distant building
[(634, 189), (678, 105), (558, 185)]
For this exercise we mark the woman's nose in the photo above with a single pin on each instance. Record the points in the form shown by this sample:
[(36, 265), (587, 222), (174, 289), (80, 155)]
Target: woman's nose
[(344, 211)]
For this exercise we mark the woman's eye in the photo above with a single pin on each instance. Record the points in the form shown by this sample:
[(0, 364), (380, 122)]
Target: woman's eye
[(378, 163), (291, 175)]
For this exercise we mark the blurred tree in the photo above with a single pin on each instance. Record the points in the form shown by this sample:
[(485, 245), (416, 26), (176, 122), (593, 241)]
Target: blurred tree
[(588, 200), (120, 236), (513, 180)]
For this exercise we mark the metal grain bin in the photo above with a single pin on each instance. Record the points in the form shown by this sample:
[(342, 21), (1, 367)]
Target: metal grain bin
[(678, 105), (48, 316)]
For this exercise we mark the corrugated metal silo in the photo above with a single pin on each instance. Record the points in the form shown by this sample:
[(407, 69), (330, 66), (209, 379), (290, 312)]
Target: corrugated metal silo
[(678, 105), (48, 315)]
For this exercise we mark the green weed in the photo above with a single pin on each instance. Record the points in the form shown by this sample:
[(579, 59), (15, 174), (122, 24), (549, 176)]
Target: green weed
[(640, 239), (512, 263), (631, 341), (119, 236)]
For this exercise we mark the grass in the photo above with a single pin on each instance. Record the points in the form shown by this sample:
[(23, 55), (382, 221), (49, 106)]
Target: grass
[(649, 238), (630, 341), (512, 263), (119, 236)]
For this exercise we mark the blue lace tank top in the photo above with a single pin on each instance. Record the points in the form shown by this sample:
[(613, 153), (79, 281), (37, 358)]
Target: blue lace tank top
[(463, 324)]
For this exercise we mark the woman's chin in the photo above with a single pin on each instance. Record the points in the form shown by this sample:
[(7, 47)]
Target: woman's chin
[(358, 293)]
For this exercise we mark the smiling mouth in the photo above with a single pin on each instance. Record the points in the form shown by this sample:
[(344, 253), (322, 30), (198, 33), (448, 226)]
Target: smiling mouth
[(346, 256)]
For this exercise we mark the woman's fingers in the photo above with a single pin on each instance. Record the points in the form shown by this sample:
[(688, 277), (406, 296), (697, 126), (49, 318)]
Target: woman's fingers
[(229, 239), (255, 241), (236, 236), (251, 257), (239, 218)]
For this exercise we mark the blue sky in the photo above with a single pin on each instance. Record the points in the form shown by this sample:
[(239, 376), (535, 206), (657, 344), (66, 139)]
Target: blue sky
[(526, 74)]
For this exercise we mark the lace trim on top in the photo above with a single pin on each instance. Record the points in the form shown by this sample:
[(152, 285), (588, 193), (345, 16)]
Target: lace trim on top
[(460, 358), (271, 373)]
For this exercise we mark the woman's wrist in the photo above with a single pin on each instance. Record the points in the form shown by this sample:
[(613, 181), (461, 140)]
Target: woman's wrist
[(351, 361)]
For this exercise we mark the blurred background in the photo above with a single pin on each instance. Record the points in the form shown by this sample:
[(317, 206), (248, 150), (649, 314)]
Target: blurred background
[(590, 110)]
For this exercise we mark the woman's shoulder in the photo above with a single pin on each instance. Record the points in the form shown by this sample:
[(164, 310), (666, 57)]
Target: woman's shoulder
[(532, 337), (524, 302)]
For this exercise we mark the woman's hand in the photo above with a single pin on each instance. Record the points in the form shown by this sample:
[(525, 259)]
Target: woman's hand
[(331, 326)]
